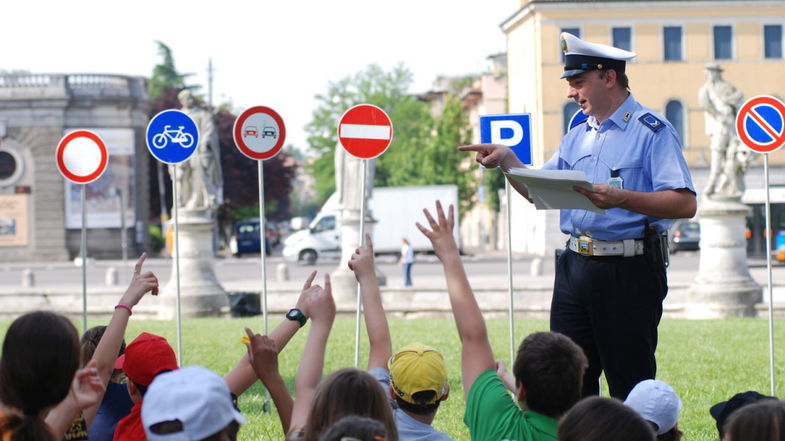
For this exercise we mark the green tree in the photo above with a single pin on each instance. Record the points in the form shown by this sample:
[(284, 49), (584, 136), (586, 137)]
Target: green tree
[(165, 74), (423, 148)]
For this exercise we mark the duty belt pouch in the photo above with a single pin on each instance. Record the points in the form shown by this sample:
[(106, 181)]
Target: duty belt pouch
[(652, 248)]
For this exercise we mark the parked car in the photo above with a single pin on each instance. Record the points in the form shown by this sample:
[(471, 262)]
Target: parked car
[(684, 235), (245, 238)]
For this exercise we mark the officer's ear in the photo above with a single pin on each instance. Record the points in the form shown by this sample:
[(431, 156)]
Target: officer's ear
[(610, 76)]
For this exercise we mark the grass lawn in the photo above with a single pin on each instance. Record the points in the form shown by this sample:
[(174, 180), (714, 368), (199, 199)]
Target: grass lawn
[(705, 361)]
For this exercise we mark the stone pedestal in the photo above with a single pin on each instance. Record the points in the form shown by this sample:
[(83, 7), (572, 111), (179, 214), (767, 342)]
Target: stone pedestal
[(200, 292), (344, 283), (723, 287)]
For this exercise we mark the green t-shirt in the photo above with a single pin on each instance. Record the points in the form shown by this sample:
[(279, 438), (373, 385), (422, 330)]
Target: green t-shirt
[(492, 415)]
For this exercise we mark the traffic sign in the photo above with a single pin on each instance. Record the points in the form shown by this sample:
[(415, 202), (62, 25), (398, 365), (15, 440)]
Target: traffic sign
[(82, 156), (512, 130), (365, 131), (760, 124), (172, 136), (259, 133)]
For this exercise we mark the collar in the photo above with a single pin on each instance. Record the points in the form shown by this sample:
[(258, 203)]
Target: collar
[(621, 117)]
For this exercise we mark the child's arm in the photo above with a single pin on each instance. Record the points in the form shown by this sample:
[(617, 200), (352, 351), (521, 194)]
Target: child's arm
[(362, 264), (263, 355), (309, 372), (242, 376), (476, 353), (107, 349)]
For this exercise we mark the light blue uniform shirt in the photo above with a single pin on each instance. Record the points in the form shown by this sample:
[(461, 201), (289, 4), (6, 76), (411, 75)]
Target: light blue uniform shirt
[(642, 147)]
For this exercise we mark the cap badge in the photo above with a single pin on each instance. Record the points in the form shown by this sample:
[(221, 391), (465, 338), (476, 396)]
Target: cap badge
[(563, 45)]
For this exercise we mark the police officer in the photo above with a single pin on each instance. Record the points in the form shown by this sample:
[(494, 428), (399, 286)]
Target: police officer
[(610, 280)]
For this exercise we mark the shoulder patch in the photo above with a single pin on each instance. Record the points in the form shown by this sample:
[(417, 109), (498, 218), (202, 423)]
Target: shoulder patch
[(574, 125), (651, 122)]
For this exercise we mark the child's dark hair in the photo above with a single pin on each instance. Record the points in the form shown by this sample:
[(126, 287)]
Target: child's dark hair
[(604, 419), (420, 409), (39, 359), (356, 427), (550, 367), (90, 340)]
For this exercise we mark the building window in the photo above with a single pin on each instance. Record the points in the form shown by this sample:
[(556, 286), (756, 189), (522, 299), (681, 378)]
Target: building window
[(723, 43), (574, 31), (622, 38), (672, 43), (568, 112), (772, 41), (674, 112)]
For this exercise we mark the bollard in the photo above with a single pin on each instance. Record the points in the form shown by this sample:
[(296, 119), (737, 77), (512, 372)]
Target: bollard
[(111, 276), (536, 267), (281, 272), (28, 278)]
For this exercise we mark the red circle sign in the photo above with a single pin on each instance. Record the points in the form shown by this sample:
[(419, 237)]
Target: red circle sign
[(259, 133), (769, 138), (365, 131), (82, 156)]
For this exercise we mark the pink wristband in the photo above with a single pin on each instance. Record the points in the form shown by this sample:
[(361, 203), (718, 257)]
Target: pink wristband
[(125, 307)]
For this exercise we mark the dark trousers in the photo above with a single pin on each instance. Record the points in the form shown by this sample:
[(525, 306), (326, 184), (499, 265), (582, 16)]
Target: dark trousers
[(407, 274), (610, 307)]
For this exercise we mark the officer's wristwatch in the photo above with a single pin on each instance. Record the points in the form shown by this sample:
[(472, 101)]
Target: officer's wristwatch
[(297, 316)]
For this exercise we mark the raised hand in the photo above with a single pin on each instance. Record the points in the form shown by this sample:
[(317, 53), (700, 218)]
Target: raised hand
[(141, 283), (441, 232), (87, 388), (323, 305), (361, 261), (263, 355)]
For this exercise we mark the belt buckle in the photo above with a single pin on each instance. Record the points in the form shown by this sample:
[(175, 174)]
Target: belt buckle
[(585, 246)]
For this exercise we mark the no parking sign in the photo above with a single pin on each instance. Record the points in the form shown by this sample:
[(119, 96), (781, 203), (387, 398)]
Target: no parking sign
[(760, 124)]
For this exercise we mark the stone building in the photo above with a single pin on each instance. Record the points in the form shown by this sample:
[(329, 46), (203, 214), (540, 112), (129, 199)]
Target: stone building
[(40, 212)]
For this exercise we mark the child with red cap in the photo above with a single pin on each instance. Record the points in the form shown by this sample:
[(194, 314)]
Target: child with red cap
[(145, 357)]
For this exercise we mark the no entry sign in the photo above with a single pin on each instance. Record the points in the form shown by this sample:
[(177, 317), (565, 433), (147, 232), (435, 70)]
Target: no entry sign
[(365, 131), (760, 124), (259, 133), (82, 156)]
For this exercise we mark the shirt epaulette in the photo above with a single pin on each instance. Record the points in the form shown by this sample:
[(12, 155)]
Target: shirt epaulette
[(652, 122)]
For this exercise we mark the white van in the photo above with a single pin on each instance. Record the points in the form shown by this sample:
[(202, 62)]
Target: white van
[(395, 209)]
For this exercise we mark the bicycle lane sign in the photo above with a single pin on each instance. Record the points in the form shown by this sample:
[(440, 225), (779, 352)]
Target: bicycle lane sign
[(760, 124), (172, 136)]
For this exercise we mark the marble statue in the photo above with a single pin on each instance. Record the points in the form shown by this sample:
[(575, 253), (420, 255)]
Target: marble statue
[(721, 102), (348, 170), (200, 179)]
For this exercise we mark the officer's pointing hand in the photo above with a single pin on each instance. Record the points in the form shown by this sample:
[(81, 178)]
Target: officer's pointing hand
[(493, 155), (604, 195)]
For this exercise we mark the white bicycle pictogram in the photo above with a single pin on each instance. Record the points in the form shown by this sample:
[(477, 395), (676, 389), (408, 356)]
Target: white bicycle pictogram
[(160, 140)]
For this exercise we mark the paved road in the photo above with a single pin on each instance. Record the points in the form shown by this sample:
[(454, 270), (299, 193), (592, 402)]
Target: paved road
[(488, 269)]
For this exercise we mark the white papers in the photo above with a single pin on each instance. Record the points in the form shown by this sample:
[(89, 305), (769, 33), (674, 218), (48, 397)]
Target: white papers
[(552, 189)]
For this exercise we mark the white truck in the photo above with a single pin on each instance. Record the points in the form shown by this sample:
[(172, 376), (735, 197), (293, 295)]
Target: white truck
[(395, 209)]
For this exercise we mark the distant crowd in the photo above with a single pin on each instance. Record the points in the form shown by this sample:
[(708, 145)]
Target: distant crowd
[(54, 387)]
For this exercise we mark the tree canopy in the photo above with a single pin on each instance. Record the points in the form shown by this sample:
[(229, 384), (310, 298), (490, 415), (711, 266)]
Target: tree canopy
[(423, 150)]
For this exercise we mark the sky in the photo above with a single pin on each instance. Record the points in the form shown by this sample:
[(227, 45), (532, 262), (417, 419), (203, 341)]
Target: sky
[(273, 53)]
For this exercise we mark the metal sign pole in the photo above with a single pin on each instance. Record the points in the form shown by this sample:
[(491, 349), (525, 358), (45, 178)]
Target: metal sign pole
[(262, 243), (123, 233), (177, 265), (509, 270), (362, 240), (84, 261), (768, 269)]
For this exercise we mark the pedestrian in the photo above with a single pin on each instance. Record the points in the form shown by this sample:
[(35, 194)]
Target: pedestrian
[(406, 261), (610, 280)]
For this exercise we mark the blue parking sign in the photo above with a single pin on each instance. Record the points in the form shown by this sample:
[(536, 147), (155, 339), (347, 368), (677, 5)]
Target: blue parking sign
[(512, 130), (172, 136)]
